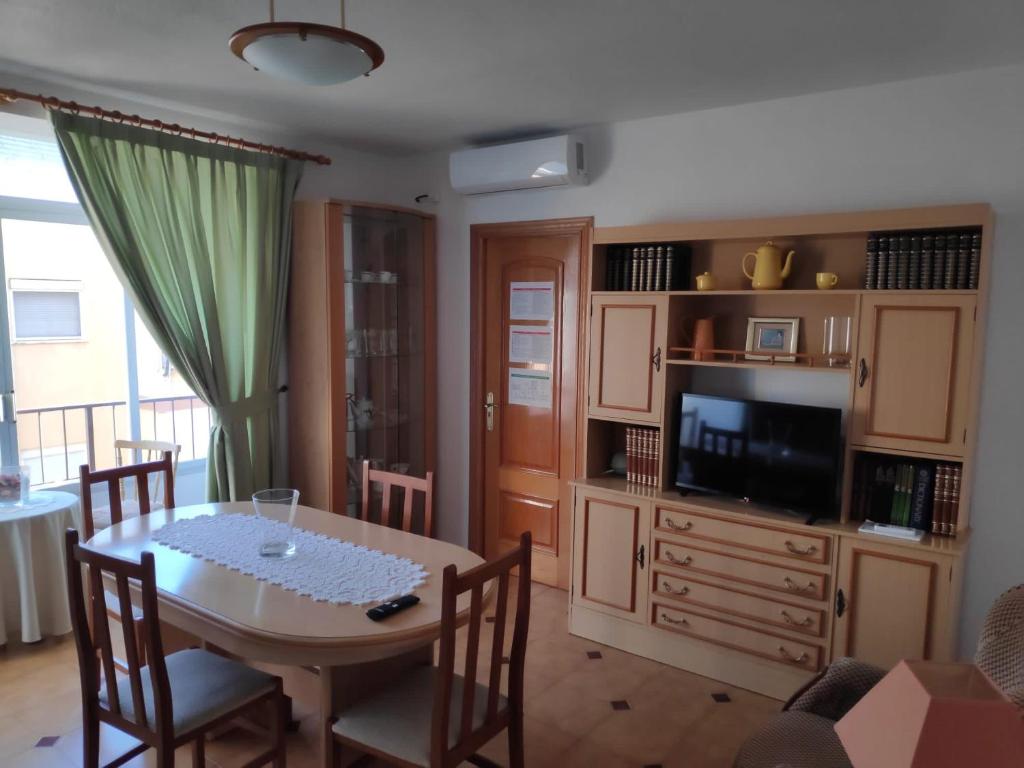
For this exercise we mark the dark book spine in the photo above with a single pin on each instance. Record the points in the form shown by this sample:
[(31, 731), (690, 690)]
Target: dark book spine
[(953, 518), (903, 263), (882, 266), (963, 261), (634, 271), (670, 268), (938, 262), (649, 270), (892, 263), (938, 497), (659, 269), (657, 457), (927, 256), (920, 516), (871, 262), (949, 272), (975, 267), (914, 273)]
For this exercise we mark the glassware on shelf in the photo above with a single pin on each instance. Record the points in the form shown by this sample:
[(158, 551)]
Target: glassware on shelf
[(836, 344), (277, 504)]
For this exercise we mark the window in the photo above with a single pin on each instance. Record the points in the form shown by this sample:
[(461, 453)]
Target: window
[(79, 364), (44, 311)]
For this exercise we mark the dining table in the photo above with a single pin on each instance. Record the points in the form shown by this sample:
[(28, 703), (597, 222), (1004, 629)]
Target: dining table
[(260, 622)]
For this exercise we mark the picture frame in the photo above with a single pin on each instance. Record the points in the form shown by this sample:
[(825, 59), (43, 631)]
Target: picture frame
[(776, 335)]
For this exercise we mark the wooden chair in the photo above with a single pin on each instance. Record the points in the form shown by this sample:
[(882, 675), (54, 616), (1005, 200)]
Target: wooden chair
[(114, 479), (125, 453), (410, 485), (170, 702), (434, 718)]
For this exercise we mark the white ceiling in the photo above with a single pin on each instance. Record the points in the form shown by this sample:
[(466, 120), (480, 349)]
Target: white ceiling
[(459, 71)]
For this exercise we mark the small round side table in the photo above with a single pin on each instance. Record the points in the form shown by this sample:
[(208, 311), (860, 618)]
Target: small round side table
[(33, 588)]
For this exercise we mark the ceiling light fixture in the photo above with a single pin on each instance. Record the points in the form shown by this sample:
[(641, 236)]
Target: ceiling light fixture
[(313, 54)]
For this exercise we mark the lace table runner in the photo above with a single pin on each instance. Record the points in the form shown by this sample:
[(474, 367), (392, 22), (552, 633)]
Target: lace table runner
[(325, 569)]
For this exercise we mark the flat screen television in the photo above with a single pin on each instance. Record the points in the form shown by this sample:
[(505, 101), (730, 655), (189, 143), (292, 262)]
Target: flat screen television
[(777, 454)]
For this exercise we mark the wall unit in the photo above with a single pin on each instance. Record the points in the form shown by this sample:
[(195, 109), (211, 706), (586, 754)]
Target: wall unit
[(741, 592), (361, 348)]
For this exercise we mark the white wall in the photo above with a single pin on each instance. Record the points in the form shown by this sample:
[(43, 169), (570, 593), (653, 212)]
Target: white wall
[(947, 139)]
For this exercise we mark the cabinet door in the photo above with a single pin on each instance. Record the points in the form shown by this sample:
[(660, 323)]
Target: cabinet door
[(610, 551), (913, 375), (627, 356), (892, 603)]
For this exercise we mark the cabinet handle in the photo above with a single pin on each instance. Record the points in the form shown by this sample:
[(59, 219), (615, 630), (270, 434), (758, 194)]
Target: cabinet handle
[(810, 550), (806, 621), (668, 588), (640, 557), (656, 359), (862, 376), (676, 526), (840, 604), (676, 561), (670, 620), (793, 586), (803, 657)]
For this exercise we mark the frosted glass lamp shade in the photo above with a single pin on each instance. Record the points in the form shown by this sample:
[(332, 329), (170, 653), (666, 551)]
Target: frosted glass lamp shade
[(312, 54)]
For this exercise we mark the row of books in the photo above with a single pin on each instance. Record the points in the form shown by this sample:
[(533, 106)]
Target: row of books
[(643, 445), (647, 268), (924, 495), (923, 261)]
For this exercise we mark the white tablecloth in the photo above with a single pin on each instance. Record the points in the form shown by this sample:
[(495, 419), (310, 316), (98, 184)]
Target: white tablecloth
[(33, 590)]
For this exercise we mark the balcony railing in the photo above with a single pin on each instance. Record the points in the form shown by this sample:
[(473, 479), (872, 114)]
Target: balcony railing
[(66, 436)]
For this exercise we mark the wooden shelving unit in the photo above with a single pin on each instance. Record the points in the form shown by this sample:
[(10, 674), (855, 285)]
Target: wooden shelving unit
[(910, 391)]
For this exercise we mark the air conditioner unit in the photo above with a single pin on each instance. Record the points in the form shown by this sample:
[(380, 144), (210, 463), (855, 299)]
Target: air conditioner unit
[(557, 161)]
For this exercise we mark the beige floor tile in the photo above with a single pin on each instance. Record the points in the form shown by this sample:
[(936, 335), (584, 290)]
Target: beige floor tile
[(543, 744)]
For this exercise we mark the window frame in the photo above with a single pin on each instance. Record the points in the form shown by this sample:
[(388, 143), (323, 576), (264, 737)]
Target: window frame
[(23, 285)]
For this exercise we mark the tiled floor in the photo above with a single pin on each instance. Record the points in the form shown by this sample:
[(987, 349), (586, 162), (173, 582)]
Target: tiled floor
[(586, 705)]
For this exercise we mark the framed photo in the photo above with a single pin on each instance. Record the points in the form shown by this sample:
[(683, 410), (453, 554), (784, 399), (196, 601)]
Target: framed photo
[(775, 335)]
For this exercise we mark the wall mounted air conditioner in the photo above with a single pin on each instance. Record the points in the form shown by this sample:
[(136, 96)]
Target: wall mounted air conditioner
[(558, 161)]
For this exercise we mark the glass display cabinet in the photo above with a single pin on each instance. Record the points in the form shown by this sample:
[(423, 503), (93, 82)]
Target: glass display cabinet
[(361, 349)]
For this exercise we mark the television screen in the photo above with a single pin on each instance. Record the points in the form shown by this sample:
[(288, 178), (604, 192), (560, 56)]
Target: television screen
[(778, 454)]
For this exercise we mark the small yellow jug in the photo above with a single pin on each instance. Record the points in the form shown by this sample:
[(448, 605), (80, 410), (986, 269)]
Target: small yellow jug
[(769, 271)]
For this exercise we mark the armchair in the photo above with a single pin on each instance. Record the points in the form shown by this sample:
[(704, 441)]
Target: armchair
[(803, 734)]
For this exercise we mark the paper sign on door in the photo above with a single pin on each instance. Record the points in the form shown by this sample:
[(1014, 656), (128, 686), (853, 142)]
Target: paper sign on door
[(530, 344), (531, 301), (529, 387)]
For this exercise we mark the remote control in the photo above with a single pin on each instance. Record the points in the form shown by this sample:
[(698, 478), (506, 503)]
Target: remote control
[(384, 610)]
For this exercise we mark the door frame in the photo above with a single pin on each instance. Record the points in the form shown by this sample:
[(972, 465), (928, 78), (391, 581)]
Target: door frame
[(478, 233)]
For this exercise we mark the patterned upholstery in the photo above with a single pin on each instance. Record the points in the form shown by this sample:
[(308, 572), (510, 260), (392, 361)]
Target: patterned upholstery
[(1000, 651), (802, 736), (794, 740)]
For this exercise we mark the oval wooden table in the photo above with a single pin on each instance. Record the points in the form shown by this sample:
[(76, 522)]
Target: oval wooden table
[(262, 622)]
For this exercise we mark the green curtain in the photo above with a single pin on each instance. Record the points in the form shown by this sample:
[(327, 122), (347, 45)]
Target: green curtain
[(200, 236)]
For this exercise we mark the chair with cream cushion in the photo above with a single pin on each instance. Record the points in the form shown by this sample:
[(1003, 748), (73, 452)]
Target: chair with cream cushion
[(173, 700), (430, 717), (125, 454)]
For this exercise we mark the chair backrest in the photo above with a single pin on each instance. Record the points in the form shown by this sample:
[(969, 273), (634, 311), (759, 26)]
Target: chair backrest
[(473, 733), (95, 652), (114, 477), (1000, 652), (409, 484), (132, 451)]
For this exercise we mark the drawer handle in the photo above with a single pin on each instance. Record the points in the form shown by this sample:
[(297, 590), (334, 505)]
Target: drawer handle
[(676, 526), (793, 586), (810, 550), (668, 588), (801, 659), (676, 561), (670, 620), (806, 621)]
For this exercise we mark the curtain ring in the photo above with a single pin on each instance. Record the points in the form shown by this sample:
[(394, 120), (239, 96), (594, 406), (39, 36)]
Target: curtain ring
[(73, 106), (135, 119)]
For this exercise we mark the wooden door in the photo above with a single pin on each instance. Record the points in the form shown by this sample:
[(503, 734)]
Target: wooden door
[(894, 604), (913, 373), (526, 329), (611, 539), (627, 365)]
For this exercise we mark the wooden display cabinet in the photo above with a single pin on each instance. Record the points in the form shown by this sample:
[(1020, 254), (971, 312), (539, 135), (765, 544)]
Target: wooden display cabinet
[(361, 347), (739, 591)]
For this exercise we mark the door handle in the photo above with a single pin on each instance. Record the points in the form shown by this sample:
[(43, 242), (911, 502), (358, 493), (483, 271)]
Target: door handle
[(840, 604), (640, 557), (656, 359), (8, 412), (489, 406), (863, 374)]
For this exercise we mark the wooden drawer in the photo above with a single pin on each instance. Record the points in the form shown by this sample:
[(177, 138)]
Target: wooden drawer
[(738, 603), (755, 536), (721, 632), (792, 581)]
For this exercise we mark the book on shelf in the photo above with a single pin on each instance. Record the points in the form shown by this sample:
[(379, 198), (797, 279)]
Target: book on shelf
[(647, 268), (923, 260), (643, 446), (921, 493)]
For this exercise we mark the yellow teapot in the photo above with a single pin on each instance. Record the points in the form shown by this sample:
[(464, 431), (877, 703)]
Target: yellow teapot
[(769, 271)]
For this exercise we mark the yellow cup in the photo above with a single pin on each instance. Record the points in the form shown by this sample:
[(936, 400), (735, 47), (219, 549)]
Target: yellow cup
[(826, 280)]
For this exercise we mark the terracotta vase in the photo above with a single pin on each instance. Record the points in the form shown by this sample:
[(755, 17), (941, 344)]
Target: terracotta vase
[(703, 338)]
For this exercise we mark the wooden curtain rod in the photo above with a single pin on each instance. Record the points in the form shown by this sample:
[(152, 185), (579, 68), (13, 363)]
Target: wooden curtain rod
[(9, 95)]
